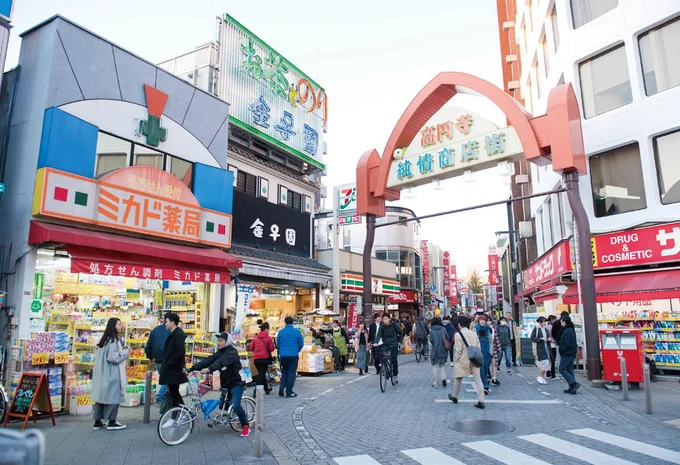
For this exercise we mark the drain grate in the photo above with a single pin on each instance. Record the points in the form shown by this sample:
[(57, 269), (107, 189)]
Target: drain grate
[(482, 427)]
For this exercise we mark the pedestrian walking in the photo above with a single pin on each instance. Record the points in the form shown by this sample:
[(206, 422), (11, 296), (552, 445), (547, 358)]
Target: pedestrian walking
[(495, 352), (108, 377), (374, 343), (514, 332), (505, 337), (262, 347), (552, 374), (450, 332), (485, 342), (568, 351), (439, 353), (290, 343), (172, 368), (154, 349), (361, 348), (463, 367), (541, 339)]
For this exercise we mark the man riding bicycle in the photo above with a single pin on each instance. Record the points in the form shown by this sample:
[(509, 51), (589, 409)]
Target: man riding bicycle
[(420, 332), (227, 361), (389, 338)]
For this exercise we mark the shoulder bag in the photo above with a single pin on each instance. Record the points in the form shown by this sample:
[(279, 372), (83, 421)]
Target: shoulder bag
[(474, 354)]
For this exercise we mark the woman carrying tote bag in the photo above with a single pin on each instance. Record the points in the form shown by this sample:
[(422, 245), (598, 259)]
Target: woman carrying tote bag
[(463, 365)]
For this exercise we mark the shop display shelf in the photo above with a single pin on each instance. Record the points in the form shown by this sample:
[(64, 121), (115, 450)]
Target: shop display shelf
[(649, 328), (200, 354), (136, 341), (608, 321), (143, 359), (663, 351), (669, 330), (674, 365), (90, 364), (84, 344)]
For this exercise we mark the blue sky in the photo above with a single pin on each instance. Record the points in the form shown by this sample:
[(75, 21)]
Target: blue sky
[(371, 56)]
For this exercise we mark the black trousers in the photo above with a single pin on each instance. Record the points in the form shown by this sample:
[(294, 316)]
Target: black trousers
[(175, 397), (262, 364), (514, 351), (376, 358), (553, 358)]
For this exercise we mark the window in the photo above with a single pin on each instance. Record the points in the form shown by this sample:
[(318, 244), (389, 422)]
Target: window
[(605, 84), (540, 241), (527, 96), (347, 239), (294, 200), (402, 218), (112, 154), (555, 29), (182, 169), (617, 182), (381, 254), (529, 20), (546, 55), (419, 271), (584, 11), (548, 226), (246, 182), (660, 59), (668, 166), (145, 156), (535, 77), (393, 256)]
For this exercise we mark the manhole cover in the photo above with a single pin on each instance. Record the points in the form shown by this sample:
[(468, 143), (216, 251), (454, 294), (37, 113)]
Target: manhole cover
[(482, 427)]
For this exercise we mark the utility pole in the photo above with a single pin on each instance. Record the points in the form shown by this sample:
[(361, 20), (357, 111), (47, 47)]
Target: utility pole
[(336, 251)]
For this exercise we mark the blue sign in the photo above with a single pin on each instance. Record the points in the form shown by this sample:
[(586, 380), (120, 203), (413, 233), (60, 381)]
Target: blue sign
[(2, 188), (433, 288), (6, 9)]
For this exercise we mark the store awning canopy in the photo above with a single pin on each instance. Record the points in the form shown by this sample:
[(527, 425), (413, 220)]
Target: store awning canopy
[(655, 285), (97, 246)]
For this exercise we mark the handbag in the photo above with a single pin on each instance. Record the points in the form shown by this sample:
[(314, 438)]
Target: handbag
[(474, 354), (446, 341)]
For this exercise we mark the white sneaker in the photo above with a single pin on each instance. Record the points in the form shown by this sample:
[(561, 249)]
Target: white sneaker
[(541, 380), (451, 363), (171, 423)]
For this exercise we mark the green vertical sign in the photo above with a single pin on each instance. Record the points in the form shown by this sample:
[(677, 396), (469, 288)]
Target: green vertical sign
[(38, 285)]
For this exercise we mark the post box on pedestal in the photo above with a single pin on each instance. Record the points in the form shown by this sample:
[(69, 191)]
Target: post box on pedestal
[(622, 342)]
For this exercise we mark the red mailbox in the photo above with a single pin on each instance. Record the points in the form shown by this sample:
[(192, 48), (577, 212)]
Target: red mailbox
[(626, 343)]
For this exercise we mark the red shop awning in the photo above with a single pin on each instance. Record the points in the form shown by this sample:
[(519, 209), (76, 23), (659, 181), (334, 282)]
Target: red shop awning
[(111, 254), (655, 285)]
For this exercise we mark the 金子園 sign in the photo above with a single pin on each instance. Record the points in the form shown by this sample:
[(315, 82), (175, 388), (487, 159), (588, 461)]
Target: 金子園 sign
[(269, 96), (139, 199)]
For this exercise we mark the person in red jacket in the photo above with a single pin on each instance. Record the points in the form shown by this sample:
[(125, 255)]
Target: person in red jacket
[(262, 346)]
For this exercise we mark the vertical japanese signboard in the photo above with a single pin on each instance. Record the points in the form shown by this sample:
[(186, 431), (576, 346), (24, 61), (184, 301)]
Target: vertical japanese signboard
[(447, 275), (493, 266), (427, 297), (269, 96)]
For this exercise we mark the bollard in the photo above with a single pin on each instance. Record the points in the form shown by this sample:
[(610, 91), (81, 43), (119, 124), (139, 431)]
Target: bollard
[(259, 420), (624, 378), (147, 397), (648, 391)]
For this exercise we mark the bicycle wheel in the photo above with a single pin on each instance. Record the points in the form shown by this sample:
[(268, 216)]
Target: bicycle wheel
[(383, 376), (248, 405), (391, 374), (174, 431), (3, 406), (419, 354)]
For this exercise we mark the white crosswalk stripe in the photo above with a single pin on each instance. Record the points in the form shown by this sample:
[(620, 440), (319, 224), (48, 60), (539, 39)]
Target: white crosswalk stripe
[(430, 456), (630, 444), (503, 454), (554, 447), (574, 450)]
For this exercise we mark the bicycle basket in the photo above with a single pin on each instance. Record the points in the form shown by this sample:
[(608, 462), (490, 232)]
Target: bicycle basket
[(205, 386)]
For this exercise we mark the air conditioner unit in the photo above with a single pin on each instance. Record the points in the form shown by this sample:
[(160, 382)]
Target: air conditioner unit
[(526, 229)]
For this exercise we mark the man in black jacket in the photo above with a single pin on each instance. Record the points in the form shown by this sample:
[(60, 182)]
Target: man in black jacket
[(372, 333), (172, 368), (389, 337), (227, 361)]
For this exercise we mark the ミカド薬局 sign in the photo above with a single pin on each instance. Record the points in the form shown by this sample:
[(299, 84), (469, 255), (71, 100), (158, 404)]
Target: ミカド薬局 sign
[(269, 96)]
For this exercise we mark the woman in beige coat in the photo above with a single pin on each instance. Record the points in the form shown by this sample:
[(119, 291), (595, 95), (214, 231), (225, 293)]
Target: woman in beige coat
[(463, 367)]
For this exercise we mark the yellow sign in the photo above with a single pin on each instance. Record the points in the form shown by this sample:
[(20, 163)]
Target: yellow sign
[(84, 289), (83, 399), (40, 358), (60, 358)]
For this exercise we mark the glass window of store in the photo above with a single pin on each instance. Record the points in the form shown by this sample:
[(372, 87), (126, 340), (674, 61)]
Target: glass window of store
[(113, 153), (617, 183), (660, 57), (418, 271), (555, 29), (548, 237), (540, 244), (144, 156), (605, 83), (182, 169), (584, 11), (246, 182), (668, 166)]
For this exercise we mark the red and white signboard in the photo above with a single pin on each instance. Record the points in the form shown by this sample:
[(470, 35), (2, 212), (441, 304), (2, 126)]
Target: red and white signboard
[(404, 297), (149, 272), (656, 244), (353, 317), (453, 276), (447, 275), (551, 264), (493, 266)]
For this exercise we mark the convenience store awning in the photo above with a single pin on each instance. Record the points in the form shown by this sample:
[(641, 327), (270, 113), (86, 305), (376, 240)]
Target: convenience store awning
[(655, 285), (167, 261)]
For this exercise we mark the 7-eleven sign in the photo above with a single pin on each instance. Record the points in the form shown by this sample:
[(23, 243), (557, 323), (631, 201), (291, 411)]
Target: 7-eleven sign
[(347, 200)]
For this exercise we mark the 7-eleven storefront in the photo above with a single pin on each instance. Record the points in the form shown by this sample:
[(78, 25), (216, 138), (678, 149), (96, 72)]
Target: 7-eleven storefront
[(352, 286)]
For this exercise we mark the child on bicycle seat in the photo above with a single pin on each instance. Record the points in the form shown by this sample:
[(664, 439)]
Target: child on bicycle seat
[(228, 363)]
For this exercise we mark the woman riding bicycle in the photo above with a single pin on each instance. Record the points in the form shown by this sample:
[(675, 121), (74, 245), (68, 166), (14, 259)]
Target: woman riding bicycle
[(226, 360)]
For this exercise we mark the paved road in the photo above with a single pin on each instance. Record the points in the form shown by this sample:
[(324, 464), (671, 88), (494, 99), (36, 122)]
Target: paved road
[(345, 419)]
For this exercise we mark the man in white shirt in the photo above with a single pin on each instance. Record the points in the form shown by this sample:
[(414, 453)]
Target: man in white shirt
[(372, 333)]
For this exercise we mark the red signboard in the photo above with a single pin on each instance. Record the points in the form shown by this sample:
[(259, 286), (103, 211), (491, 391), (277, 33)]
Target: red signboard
[(642, 246), (493, 268), (447, 275), (148, 272), (403, 297), (551, 264), (353, 317)]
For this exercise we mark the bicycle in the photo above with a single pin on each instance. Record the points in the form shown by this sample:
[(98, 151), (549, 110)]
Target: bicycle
[(386, 369), (422, 349), (178, 423)]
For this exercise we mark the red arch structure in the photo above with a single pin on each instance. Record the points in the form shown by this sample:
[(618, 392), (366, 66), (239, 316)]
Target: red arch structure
[(554, 138)]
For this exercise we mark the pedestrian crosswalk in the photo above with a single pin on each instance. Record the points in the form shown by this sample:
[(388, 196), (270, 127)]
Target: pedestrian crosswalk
[(550, 449)]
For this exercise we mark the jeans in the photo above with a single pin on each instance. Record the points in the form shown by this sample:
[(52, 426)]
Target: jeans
[(236, 393), (394, 351), (288, 371), (486, 369), (162, 388), (506, 351), (567, 369)]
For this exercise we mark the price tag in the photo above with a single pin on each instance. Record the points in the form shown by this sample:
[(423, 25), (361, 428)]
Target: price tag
[(41, 358), (83, 399), (60, 358)]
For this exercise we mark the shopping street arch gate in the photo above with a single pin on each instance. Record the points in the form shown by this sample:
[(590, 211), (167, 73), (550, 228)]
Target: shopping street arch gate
[(554, 138)]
